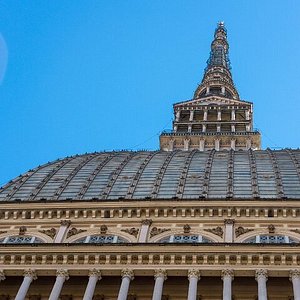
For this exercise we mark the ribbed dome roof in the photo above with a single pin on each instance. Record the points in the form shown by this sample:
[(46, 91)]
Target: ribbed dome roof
[(162, 175)]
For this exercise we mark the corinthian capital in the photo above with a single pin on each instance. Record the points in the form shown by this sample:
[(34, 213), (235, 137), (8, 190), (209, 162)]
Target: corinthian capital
[(294, 274), (261, 273), (194, 273), (227, 273), (62, 273), (95, 273), (30, 273), (65, 222), (160, 273), (127, 273), (147, 222)]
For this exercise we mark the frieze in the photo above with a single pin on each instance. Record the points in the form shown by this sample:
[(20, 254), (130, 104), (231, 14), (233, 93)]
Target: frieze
[(217, 231), (50, 232), (74, 231), (155, 231), (241, 230), (132, 231)]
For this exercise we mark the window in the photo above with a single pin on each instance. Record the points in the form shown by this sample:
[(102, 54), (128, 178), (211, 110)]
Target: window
[(101, 239), (271, 239), (185, 239), (20, 239)]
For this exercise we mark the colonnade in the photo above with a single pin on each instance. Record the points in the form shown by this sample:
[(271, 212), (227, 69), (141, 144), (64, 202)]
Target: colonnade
[(160, 275)]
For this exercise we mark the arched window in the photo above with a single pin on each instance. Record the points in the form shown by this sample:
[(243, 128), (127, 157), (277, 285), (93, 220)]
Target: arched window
[(20, 239), (101, 239), (185, 239), (271, 239)]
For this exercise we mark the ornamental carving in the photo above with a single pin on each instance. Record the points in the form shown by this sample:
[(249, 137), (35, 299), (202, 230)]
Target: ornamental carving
[(22, 230), (194, 273), (95, 272), (74, 231), (103, 229), (155, 231), (227, 273), (261, 273), (65, 223), (241, 230), (186, 228), (50, 232), (30, 273), (217, 231), (147, 222), (160, 273), (132, 231), (229, 221), (294, 274), (271, 228), (127, 273), (63, 273)]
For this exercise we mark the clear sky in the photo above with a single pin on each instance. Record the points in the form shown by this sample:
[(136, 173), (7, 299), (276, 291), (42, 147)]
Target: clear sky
[(91, 75)]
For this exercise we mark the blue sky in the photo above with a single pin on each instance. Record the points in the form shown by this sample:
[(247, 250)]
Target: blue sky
[(84, 76)]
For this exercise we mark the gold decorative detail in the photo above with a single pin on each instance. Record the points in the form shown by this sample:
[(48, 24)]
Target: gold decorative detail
[(103, 229), (194, 273), (261, 273), (271, 228), (62, 273), (30, 273), (50, 232), (186, 228), (241, 230), (65, 222), (227, 272), (127, 273), (22, 230), (160, 273), (74, 231), (132, 231), (147, 222), (155, 231), (217, 231)]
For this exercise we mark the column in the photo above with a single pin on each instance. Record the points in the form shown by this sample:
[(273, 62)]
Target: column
[(261, 277), (248, 127), (232, 144), (2, 275), (64, 225), (61, 276), (127, 276), (191, 115), (217, 144), (190, 128), (228, 235), (194, 276), (186, 144), (29, 276), (160, 276), (218, 128), (232, 128), (175, 128), (248, 144), (227, 277), (144, 230), (247, 114), (94, 276), (204, 128), (205, 115), (219, 115), (295, 278), (233, 115), (201, 144), (177, 116)]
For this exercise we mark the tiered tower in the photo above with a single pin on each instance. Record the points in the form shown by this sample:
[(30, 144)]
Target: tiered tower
[(216, 118)]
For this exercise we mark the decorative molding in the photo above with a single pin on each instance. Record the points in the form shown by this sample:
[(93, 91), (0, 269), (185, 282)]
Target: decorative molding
[(103, 229), (217, 231), (74, 231), (194, 273), (127, 273), (147, 222), (50, 232), (227, 273), (261, 273), (242, 230), (22, 230), (155, 231), (62, 273), (186, 228), (30, 273), (132, 231), (160, 273), (271, 228), (65, 223)]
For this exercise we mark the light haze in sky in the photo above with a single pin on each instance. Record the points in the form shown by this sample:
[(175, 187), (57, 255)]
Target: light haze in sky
[(83, 76)]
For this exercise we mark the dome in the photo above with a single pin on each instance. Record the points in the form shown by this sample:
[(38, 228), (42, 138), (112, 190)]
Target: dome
[(146, 175)]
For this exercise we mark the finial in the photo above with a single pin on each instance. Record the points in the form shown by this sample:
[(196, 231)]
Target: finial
[(221, 24)]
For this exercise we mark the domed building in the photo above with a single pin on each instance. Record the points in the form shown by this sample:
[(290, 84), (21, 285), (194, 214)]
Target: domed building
[(209, 216)]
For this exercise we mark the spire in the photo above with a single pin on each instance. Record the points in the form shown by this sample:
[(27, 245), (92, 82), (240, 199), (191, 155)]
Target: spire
[(217, 79)]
